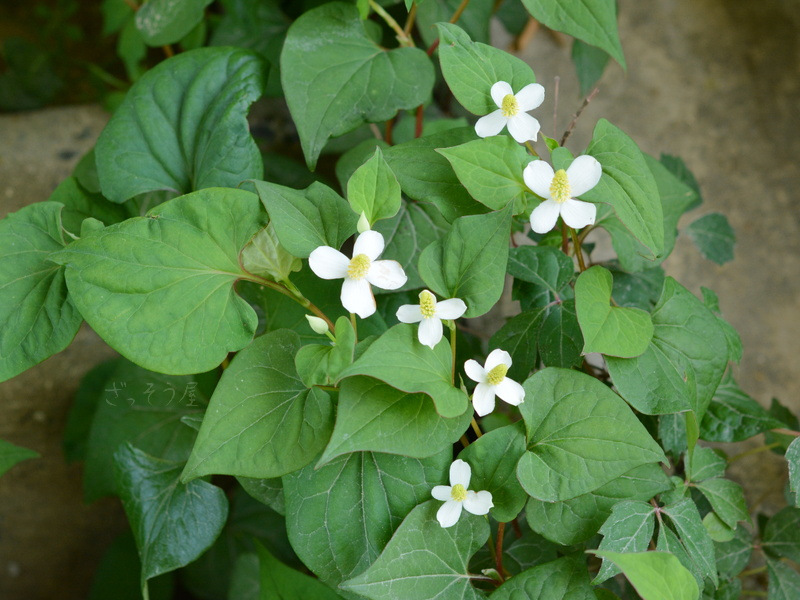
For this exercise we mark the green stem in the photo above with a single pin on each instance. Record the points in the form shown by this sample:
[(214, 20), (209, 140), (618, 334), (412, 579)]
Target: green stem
[(412, 15), (498, 551), (754, 593), (453, 350), (402, 37), (461, 8), (578, 250), (755, 571), (354, 323), (531, 149), (476, 428), (293, 294), (752, 451), (692, 434)]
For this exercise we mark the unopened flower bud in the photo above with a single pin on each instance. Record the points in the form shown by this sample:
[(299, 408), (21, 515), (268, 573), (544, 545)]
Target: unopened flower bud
[(363, 223), (317, 324)]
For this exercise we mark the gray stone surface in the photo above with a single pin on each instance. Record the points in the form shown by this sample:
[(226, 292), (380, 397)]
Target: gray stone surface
[(713, 81)]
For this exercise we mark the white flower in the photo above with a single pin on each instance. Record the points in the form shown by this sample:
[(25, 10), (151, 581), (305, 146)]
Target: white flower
[(512, 112), (359, 272), (559, 190), (429, 314), (456, 496), (492, 381)]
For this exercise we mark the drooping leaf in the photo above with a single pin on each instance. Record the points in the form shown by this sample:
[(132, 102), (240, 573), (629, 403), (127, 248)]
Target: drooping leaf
[(784, 581), (668, 541), (264, 256), (424, 369), (592, 21), (580, 436), (182, 126), (37, 315), (159, 289), (714, 237), (563, 579), (336, 77), (780, 535), (470, 262), (262, 421), (733, 416), (372, 416), (655, 575), (10, 455), (373, 189), (735, 349), (678, 168), (340, 516), (164, 22), (734, 555), (590, 62), (610, 330), (424, 559), (560, 338), (546, 267), (628, 529), (693, 535), (173, 523)]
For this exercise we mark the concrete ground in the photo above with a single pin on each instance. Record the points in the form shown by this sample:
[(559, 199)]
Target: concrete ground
[(716, 82)]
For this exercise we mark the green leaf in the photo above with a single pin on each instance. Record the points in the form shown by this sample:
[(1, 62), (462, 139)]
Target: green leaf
[(470, 262), (578, 519), (264, 256), (262, 421), (373, 416), (668, 541), (733, 556), (493, 458), (491, 170), (183, 126), (81, 413), (335, 77), (474, 19), (305, 220), (717, 529), (267, 491), (117, 575), (425, 560), (245, 581), (610, 330), (280, 581), (733, 416), (319, 364), (780, 535), (562, 579), (173, 523), (159, 289), (784, 581), (656, 575), (425, 370), (37, 315), (639, 290), (735, 349), (793, 458), (141, 407), (519, 337), (471, 69), (580, 435), (726, 498), (706, 463), (546, 267), (627, 185), (163, 22), (339, 517), (426, 176), (373, 189), (590, 62), (678, 168), (693, 535), (10, 455), (79, 204), (592, 21), (714, 237), (560, 338), (660, 380), (628, 529)]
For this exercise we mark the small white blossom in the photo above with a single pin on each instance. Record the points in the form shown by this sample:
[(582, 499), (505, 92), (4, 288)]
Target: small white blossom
[(429, 314), (317, 324), (359, 272), (559, 190), (492, 381), (456, 496), (512, 111)]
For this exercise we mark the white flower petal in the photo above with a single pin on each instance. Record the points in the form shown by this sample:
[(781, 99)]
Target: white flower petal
[(578, 214), (544, 216), (530, 97), (442, 492), (483, 399), (328, 263), (460, 473), (370, 243), (430, 332), (510, 391), (523, 127), (475, 371), (357, 297), (452, 308), (386, 274), (448, 514), (538, 176), (583, 174), (409, 313), (491, 124), (500, 90), (478, 503), (497, 357)]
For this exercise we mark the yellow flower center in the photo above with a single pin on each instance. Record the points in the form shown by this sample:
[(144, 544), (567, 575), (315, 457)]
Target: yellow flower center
[(496, 375), (509, 106), (560, 190), (427, 304), (458, 493), (358, 266)]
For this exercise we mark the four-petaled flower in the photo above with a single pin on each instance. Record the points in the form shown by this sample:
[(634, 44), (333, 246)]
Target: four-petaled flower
[(512, 112), (456, 496), (359, 272), (492, 381), (559, 190), (429, 314)]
